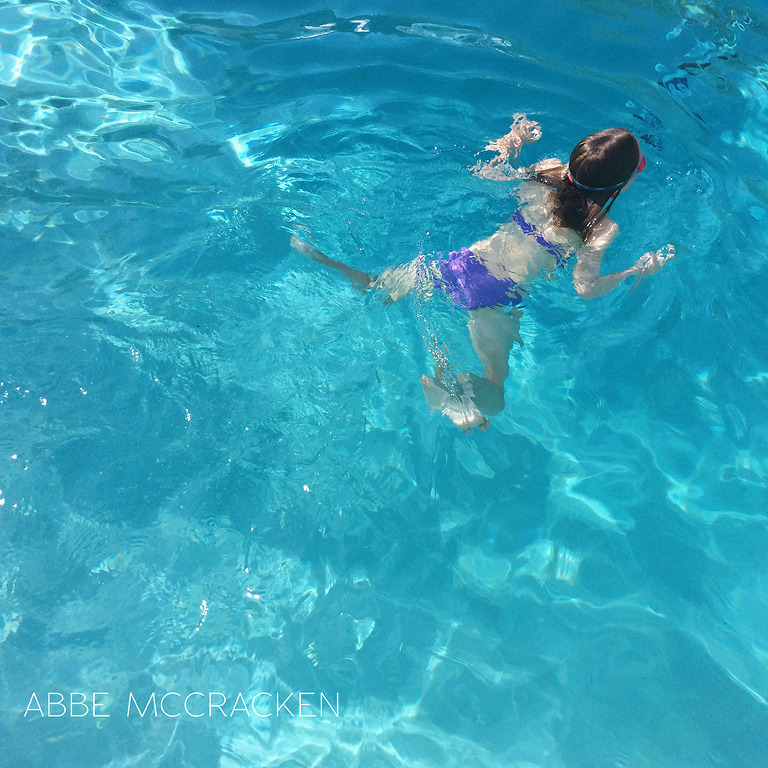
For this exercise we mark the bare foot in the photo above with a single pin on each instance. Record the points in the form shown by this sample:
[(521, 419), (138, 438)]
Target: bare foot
[(458, 408)]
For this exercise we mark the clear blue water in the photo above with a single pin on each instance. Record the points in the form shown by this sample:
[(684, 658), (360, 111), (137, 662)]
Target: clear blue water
[(217, 471)]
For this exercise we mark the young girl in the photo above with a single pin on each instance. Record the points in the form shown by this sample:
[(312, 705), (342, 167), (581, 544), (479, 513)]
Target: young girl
[(563, 213)]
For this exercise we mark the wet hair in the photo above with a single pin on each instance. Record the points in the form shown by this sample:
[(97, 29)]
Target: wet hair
[(603, 159)]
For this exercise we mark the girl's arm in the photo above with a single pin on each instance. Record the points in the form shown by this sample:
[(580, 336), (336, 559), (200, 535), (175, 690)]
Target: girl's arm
[(588, 281), (522, 131)]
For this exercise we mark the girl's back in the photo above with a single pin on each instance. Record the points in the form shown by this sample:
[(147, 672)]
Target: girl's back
[(531, 243)]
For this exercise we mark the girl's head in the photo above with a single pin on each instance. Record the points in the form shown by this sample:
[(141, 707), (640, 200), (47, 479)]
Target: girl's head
[(605, 161), (600, 167)]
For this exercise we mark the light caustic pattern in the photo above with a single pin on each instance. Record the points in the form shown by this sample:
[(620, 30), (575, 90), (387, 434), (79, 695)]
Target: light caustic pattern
[(217, 470)]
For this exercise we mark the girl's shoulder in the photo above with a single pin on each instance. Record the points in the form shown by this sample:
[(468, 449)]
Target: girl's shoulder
[(546, 165), (537, 204), (536, 198), (604, 233)]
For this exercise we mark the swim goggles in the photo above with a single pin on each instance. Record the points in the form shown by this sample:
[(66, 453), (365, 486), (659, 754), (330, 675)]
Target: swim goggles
[(578, 184)]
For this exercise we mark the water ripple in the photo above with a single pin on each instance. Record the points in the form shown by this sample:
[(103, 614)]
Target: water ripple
[(217, 467)]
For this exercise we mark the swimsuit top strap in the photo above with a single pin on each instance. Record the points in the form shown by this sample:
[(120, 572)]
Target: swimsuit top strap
[(560, 252)]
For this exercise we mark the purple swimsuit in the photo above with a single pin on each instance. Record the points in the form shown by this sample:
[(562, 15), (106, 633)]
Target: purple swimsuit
[(471, 286)]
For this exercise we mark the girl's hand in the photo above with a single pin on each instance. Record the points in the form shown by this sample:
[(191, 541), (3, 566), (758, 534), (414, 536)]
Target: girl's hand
[(650, 263), (522, 131)]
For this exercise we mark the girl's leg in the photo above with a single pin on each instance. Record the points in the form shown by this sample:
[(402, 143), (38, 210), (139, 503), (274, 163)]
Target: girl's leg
[(493, 333), (361, 281), (396, 281)]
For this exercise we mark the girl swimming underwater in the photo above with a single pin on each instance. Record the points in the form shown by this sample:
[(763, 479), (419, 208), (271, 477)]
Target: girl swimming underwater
[(563, 213)]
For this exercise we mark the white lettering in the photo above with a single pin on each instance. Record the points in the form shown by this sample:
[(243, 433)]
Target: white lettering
[(186, 709), (162, 704), (56, 703), (80, 703), (151, 700), (253, 704), (36, 708), (243, 708), (212, 706), (262, 704), (284, 704), (303, 703), (335, 711), (96, 704)]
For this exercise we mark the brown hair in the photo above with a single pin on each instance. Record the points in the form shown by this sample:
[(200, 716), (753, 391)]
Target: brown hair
[(605, 160)]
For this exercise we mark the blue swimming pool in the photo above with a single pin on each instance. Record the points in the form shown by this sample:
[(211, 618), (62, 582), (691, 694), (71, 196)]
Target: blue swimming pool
[(232, 533)]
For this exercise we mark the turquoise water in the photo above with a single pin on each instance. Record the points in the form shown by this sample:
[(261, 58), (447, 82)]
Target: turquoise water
[(218, 475)]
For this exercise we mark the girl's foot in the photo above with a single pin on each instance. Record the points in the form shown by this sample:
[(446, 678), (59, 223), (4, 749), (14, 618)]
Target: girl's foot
[(459, 409)]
